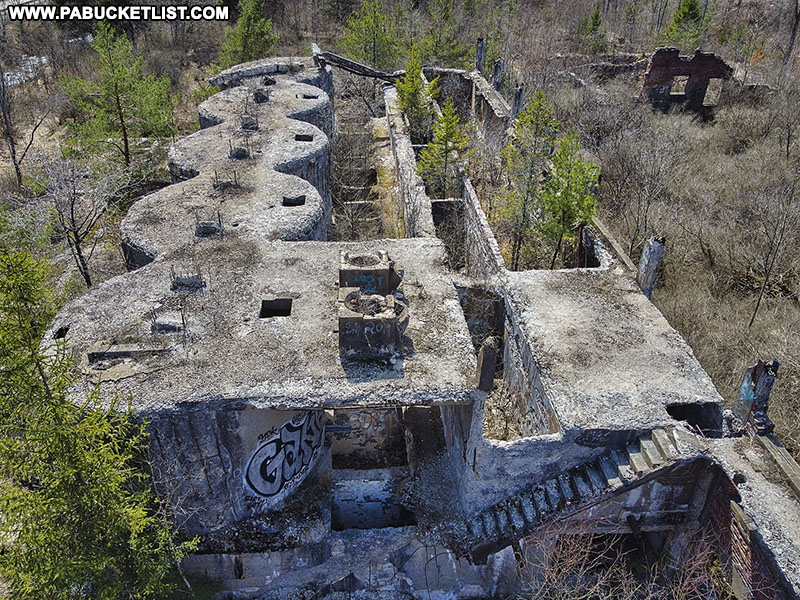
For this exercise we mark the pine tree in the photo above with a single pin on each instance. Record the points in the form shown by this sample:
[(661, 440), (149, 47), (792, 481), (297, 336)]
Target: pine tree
[(441, 45), (525, 160), (415, 98), (368, 37), (567, 200), (592, 33), (437, 161), (686, 27), (123, 104), (251, 38), (77, 515)]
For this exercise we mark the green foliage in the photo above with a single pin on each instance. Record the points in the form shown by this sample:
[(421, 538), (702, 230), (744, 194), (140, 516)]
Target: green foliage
[(524, 161), (203, 92), (567, 200), (686, 27), (437, 161), (440, 45), (368, 36), (498, 21), (250, 38), (415, 98), (123, 104), (78, 518), (593, 36)]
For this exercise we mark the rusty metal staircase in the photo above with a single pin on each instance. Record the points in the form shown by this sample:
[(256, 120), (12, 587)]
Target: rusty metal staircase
[(513, 518)]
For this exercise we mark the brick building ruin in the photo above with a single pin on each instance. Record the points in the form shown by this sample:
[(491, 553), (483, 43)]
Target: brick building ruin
[(316, 408)]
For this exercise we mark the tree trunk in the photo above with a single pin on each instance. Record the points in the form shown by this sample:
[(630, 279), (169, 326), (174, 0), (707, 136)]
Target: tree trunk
[(5, 109), (80, 259), (126, 151), (758, 302), (793, 37), (555, 254)]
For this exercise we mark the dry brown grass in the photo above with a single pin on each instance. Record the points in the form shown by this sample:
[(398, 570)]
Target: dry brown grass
[(713, 190)]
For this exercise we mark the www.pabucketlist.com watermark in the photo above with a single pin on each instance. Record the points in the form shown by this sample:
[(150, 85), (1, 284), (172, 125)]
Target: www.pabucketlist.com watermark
[(46, 12)]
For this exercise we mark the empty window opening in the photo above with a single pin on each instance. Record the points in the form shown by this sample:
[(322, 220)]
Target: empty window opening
[(280, 307), (294, 200), (304, 137), (61, 332), (679, 84), (308, 96), (713, 91)]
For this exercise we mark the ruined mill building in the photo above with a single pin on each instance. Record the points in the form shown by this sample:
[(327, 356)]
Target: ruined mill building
[(316, 407)]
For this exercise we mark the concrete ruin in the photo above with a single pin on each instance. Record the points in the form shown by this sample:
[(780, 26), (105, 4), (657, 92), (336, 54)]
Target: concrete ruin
[(316, 408), (696, 71)]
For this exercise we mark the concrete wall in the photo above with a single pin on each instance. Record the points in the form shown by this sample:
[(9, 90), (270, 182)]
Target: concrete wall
[(225, 465), (490, 109), (521, 377), (416, 203), (375, 439), (483, 254), (244, 575), (749, 562)]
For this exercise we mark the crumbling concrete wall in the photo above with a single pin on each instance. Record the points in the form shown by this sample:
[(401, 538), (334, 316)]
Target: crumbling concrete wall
[(454, 85), (666, 64), (523, 381), (483, 255), (245, 575), (490, 109), (742, 550), (416, 203), (225, 465), (368, 439)]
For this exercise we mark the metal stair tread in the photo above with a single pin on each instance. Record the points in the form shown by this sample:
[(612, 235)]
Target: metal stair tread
[(637, 460), (610, 471), (650, 452), (596, 478)]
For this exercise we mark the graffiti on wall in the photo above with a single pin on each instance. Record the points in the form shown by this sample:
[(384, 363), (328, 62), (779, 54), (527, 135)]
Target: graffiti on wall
[(282, 461)]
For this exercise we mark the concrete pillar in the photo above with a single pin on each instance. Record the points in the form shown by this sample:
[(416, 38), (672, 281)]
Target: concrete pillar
[(650, 264), (752, 403), (519, 94), (480, 55), (487, 363), (497, 74)]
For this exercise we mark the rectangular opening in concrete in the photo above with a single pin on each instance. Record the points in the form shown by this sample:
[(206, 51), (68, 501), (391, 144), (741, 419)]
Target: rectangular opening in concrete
[(304, 137), (368, 439), (368, 500), (706, 416), (279, 307), (298, 200), (679, 84), (308, 96)]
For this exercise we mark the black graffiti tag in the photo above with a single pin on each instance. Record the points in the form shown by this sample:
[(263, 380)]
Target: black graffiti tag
[(278, 465)]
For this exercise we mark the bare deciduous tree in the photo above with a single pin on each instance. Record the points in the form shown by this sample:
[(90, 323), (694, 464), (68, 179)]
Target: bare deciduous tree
[(80, 201), (17, 150), (774, 219)]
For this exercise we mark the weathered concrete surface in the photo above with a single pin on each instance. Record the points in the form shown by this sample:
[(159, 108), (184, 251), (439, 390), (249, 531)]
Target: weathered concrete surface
[(608, 358), (768, 501), (227, 355), (416, 203), (288, 158)]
